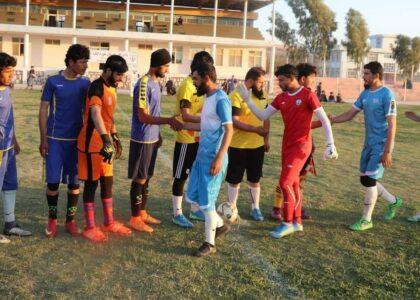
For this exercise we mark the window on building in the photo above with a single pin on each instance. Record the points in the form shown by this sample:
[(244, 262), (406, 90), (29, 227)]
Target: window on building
[(219, 57), (255, 59), (99, 45), (145, 47), (194, 50), (60, 21), (373, 57), (52, 42), (352, 73), (388, 55), (177, 55), (235, 58), (389, 68), (18, 47)]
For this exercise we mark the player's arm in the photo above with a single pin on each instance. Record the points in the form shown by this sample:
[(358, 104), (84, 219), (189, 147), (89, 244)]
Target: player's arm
[(246, 127), (116, 142), (262, 114), (107, 151), (392, 128), (412, 116), (347, 116), (185, 106), (146, 118), (192, 126), (331, 151), (266, 126), (42, 121), (216, 165), (317, 123)]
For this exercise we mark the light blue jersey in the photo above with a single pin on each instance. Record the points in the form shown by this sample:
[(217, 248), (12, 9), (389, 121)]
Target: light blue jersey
[(203, 188), (377, 106)]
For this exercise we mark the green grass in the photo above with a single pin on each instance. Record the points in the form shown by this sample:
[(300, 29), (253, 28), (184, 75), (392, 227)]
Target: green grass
[(325, 261)]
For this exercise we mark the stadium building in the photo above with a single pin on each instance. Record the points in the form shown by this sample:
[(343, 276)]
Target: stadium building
[(38, 33)]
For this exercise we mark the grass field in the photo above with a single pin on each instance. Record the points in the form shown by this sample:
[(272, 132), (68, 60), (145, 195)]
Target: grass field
[(325, 261)]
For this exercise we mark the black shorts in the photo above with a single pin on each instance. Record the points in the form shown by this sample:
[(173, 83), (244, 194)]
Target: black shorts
[(142, 159), (251, 160), (184, 156)]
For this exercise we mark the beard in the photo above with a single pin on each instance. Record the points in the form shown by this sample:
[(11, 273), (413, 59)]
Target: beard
[(159, 74), (366, 86), (257, 93), (201, 90), (112, 82)]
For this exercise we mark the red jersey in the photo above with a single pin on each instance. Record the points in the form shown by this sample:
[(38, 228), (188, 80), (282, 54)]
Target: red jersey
[(297, 110)]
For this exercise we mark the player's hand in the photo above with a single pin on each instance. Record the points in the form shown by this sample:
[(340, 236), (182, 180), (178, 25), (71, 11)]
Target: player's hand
[(117, 145), (43, 149), (16, 147), (266, 145), (412, 116), (261, 131), (386, 160), (175, 124), (160, 141), (331, 118), (216, 166), (330, 152), (244, 92), (107, 151)]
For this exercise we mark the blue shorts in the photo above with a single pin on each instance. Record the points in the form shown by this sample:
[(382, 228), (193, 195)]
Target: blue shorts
[(370, 161), (203, 188), (61, 162), (8, 172)]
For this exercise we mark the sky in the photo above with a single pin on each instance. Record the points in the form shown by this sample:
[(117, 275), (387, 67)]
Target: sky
[(382, 16)]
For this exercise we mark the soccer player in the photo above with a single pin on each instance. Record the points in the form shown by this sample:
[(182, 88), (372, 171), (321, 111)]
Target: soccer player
[(96, 151), (188, 106), (297, 105), (416, 118), (249, 142), (64, 95), (9, 148), (380, 111), (209, 168), (307, 75), (145, 138)]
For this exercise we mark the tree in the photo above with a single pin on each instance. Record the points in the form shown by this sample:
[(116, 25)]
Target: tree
[(316, 26), (283, 32), (406, 53), (357, 36)]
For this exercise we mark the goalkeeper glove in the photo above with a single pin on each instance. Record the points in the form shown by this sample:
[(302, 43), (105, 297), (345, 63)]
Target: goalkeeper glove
[(117, 145), (330, 152), (107, 151)]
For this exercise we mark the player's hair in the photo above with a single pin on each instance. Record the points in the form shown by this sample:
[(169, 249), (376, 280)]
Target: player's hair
[(6, 61), (254, 73), (375, 68), (287, 70), (201, 57), (116, 63), (76, 52), (305, 70), (204, 69)]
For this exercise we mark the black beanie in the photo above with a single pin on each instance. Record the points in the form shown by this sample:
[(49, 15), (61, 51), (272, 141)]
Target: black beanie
[(159, 58)]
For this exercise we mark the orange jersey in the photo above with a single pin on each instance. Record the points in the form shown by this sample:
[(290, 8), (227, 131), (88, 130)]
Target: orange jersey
[(105, 96)]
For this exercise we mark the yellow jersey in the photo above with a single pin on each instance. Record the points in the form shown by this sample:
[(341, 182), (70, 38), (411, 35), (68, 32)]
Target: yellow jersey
[(187, 91), (245, 139)]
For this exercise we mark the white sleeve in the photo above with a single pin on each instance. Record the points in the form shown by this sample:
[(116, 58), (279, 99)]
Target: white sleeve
[(262, 114), (326, 125)]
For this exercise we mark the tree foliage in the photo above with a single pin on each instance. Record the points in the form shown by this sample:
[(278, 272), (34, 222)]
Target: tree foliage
[(406, 53)]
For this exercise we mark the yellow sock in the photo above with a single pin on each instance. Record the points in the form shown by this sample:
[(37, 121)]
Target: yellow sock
[(278, 200)]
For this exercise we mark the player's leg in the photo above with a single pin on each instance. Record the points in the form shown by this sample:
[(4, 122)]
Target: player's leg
[(53, 168), (235, 173), (9, 189), (110, 225), (254, 168), (308, 167), (137, 172), (195, 211), (150, 165), (69, 177)]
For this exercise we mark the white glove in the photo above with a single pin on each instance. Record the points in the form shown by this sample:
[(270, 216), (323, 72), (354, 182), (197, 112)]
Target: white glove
[(330, 152), (244, 92)]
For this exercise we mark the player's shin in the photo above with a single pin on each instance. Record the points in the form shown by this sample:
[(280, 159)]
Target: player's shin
[(369, 202)]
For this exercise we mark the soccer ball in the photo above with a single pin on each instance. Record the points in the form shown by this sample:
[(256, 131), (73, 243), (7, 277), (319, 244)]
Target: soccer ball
[(227, 212)]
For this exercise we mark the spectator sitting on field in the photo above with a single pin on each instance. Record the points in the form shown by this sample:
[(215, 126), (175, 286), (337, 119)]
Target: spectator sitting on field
[(331, 98), (323, 97), (339, 99)]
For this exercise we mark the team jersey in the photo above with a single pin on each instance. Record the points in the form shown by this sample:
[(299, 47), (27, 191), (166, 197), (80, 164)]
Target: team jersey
[(6, 119), (244, 139), (297, 110), (66, 97), (377, 106), (217, 111), (147, 95), (105, 96), (188, 92)]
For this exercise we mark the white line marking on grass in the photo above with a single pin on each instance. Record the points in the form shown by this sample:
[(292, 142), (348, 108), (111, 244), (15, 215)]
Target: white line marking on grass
[(285, 289)]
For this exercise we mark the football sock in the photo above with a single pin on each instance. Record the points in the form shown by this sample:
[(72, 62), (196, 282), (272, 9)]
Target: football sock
[(254, 192), (71, 206), (233, 193), (177, 205), (278, 200), (9, 200), (108, 211), (370, 201), (89, 208), (136, 192), (52, 206), (213, 221), (144, 195), (385, 194)]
